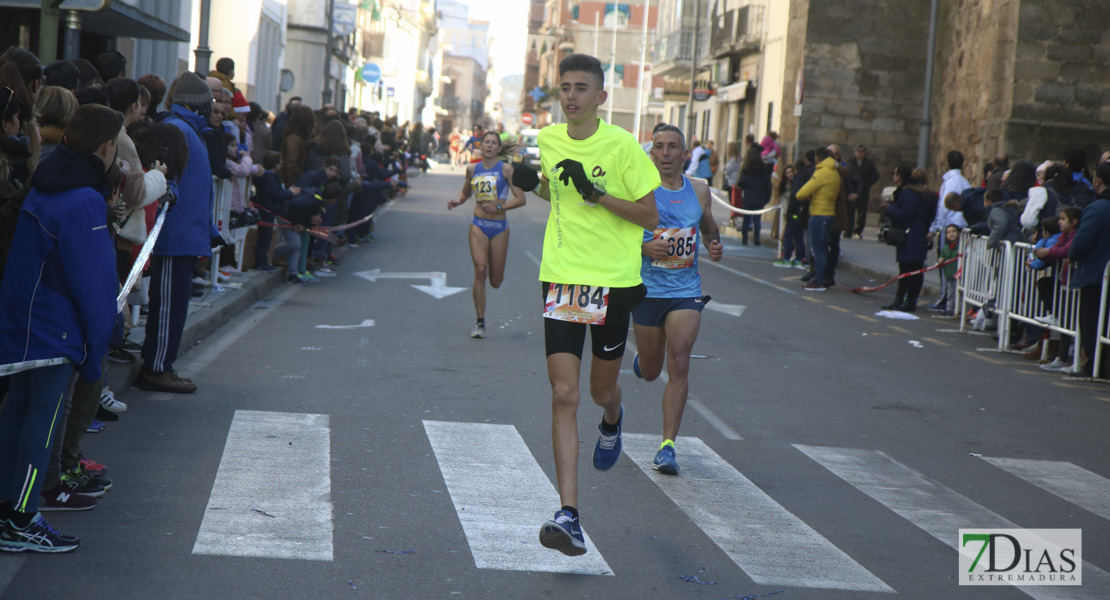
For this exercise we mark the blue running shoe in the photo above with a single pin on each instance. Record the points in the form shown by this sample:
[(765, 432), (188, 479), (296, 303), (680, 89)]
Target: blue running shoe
[(95, 427), (636, 366), (608, 448), (307, 277), (563, 533), (39, 536), (665, 461)]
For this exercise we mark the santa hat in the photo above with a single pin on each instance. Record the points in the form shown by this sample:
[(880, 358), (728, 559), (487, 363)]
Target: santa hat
[(239, 103)]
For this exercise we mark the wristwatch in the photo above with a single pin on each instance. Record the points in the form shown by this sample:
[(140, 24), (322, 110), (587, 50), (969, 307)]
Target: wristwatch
[(599, 192), (499, 209)]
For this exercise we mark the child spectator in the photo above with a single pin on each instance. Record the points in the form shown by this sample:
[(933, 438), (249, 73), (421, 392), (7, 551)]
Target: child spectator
[(1068, 220), (241, 166), (62, 238), (793, 235), (306, 211), (273, 198), (950, 249)]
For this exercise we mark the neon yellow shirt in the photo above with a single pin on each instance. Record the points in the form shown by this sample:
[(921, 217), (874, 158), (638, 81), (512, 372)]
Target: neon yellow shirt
[(588, 245)]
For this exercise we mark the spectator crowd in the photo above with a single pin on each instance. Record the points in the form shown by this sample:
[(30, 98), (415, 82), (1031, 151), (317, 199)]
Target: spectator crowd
[(91, 160)]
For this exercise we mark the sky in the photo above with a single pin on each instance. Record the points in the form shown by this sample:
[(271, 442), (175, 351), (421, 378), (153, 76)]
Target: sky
[(509, 29)]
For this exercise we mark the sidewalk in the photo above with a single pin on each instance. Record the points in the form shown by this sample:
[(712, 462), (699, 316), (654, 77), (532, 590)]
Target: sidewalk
[(207, 314), (864, 258)]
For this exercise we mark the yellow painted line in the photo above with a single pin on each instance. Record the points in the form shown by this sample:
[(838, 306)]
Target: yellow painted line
[(1068, 385), (899, 329), (980, 356), (792, 278), (812, 299), (935, 341), (868, 319), (1103, 398), (840, 308)]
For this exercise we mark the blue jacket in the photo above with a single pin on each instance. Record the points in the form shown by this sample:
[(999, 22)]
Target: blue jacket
[(271, 194), (907, 212), (1091, 246), (60, 283), (186, 231)]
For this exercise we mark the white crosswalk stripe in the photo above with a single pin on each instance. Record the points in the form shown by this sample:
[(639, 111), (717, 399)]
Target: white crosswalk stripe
[(764, 539), (936, 509), (272, 495), (1070, 482), (502, 496)]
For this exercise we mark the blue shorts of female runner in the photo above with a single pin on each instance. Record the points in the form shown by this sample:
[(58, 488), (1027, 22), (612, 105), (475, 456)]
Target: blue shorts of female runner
[(490, 227)]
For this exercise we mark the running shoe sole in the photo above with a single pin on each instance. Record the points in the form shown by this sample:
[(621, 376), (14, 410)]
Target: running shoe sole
[(556, 537)]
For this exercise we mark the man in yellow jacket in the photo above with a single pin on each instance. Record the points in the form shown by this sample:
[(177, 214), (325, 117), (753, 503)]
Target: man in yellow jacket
[(821, 192)]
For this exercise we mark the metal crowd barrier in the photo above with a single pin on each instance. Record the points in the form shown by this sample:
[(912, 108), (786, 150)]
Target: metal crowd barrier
[(983, 282), (1026, 304), (1002, 281), (1103, 323)]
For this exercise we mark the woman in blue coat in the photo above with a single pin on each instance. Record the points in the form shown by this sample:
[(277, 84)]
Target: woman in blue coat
[(912, 211)]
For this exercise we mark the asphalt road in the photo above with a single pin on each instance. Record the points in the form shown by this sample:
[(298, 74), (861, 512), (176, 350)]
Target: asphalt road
[(836, 454)]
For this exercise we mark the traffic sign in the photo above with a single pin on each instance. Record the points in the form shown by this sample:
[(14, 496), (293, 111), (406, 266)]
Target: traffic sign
[(527, 118), (344, 19), (371, 73)]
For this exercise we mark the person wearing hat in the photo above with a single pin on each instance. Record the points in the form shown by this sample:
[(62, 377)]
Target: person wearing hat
[(186, 235), (241, 109)]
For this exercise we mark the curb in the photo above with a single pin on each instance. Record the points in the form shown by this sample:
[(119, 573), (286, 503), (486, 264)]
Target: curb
[(201, 324)]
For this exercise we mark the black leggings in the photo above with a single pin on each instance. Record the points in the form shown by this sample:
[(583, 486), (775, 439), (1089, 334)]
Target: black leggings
[(909, 288)]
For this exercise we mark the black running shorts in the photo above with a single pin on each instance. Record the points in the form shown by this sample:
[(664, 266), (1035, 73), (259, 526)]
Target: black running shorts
[(608, 340)]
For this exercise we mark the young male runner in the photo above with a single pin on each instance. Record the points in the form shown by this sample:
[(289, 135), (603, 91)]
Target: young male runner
[(601, 188), (669, 318)]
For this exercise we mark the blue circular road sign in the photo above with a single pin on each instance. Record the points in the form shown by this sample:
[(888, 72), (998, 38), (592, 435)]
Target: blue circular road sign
[(371, 73)]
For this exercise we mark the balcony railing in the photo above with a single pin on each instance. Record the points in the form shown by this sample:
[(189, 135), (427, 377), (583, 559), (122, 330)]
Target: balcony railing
[(736, 31)]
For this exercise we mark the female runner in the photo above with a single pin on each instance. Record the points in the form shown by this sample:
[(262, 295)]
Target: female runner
[(489, 181)]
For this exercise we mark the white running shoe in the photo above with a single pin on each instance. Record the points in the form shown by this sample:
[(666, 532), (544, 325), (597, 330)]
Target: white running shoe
[(324, 272), (479, 331), (1056, 365), (109, 402)]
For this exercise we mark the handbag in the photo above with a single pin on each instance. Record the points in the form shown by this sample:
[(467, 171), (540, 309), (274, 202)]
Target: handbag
[(896, 236)]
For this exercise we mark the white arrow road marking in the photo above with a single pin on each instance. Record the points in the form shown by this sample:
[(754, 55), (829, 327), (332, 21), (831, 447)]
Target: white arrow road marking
[(438, 280), (729, 309), (366, 323)]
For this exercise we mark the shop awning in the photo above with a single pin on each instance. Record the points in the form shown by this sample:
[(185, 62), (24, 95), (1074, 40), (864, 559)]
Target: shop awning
[(733, 93)]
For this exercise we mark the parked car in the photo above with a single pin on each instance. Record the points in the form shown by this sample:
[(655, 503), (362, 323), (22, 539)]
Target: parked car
[(531, 150)]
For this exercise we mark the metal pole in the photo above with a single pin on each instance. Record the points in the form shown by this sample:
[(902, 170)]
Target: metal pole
[(48, 31), (203, 53), (72, 49), (692, 118), (326, 92), (613, 67), (597, 31), (926, 121), (640, 80)]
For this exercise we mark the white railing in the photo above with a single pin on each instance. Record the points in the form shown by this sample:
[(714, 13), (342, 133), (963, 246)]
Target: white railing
[(1001, 280), (1103, 323), (983, 281), (1026, 302)]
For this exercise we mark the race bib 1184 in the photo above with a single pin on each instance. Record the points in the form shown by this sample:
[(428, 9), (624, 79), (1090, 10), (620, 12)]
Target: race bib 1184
[(576, 303)]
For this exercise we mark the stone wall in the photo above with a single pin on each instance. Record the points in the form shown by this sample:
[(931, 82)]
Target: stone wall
[(864, 65), (1027, 77)]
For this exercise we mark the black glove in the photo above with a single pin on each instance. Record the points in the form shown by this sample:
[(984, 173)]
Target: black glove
[(525, 177), (574, 173)]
